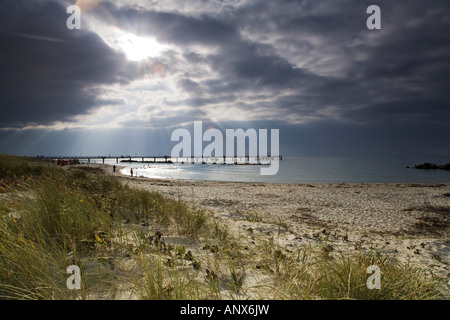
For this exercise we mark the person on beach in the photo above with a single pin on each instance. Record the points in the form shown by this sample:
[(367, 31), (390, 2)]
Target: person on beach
[(114, 168), (131, 171)]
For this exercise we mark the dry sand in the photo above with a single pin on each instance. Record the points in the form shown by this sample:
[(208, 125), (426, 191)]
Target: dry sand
[(407, 221)]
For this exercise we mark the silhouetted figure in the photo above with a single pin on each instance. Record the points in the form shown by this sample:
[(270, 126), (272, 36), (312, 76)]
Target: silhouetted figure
[(131, 171), (114, 168)]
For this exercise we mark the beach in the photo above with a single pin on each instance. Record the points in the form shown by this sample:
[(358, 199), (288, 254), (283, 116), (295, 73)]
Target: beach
[(144, 238), (409, 222)]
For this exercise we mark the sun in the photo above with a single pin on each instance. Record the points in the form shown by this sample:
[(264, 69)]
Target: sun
[(137, 48), (134, 47)]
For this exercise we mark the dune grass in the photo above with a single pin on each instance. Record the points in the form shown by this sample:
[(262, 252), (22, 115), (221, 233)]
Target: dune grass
[(51, 218), (344, 277), (12, 167)]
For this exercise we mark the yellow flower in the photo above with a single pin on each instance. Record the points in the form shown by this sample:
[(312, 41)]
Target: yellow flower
[(98, 239)]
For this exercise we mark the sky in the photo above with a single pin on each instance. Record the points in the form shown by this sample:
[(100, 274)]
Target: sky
[(137, 70)]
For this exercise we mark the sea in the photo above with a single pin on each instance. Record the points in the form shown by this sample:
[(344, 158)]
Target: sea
[(300, 170)]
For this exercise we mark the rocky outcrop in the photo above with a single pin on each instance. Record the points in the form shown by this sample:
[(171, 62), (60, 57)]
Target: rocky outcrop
[(432, 166)]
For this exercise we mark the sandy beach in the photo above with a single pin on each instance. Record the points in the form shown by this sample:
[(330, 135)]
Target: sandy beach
[(407, 221)]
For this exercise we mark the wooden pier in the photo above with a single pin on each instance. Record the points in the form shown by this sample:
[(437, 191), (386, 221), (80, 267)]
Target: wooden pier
[(167, 159)]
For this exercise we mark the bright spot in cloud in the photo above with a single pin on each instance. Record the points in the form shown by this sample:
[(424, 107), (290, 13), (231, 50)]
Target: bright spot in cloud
[(134, 47), (138, 48)]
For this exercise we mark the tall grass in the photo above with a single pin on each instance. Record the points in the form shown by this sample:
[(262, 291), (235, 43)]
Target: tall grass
[(48, 228), (30, 270), (344, 276), (160, 282), (59, 218), (13, 167)]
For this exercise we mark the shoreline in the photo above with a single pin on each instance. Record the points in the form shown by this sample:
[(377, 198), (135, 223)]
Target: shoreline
[(108, 168)]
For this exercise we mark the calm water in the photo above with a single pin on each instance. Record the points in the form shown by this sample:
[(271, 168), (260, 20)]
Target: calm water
[(303, 170)]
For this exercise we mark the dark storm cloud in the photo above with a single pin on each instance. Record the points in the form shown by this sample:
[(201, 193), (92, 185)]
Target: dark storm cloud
[(46, 69), (257, 71), (239, 61), (189, 85), (402, 111), (175, 28), (398, 72), (405, 61), (305, 59)]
